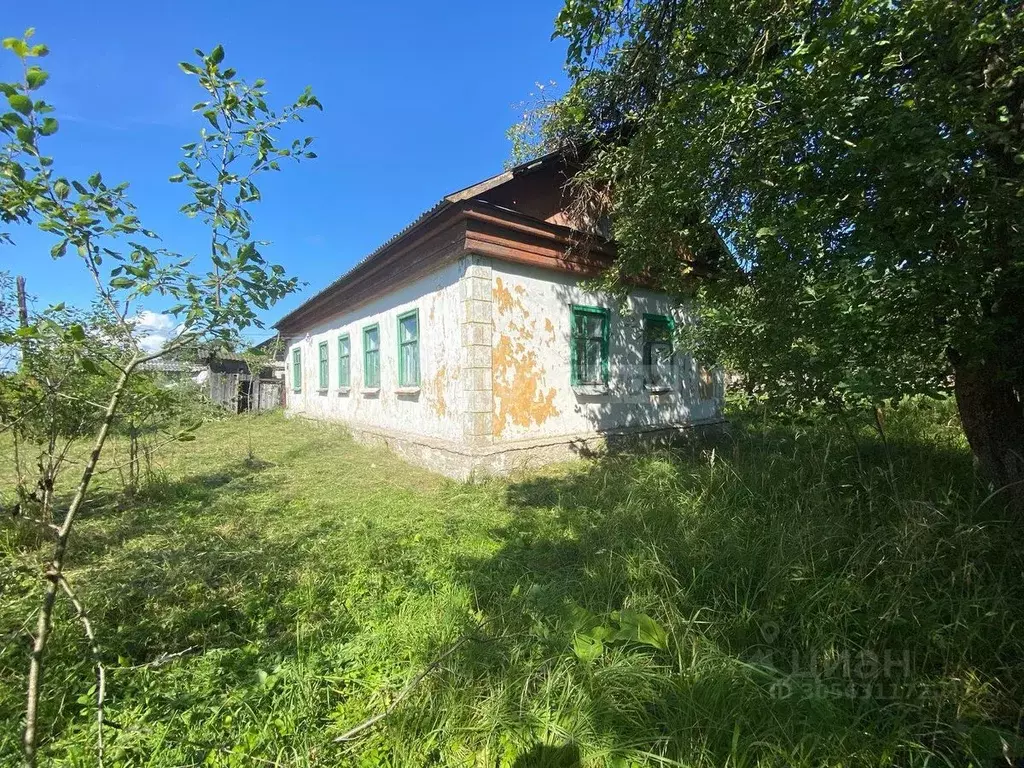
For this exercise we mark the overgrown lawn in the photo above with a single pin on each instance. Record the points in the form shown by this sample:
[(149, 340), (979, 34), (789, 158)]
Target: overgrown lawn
[(783, 595)]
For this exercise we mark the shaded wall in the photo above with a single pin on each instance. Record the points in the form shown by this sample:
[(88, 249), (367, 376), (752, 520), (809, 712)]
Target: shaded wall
[(533, 394)]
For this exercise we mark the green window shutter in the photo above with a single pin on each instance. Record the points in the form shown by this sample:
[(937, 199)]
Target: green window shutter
[(323, 362), (344, 361), (409, 349), (588, 351), (658, 351), (297, 369), (371, 356)]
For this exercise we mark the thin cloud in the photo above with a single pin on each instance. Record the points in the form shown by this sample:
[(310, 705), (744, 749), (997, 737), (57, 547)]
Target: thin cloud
[(155, 330)]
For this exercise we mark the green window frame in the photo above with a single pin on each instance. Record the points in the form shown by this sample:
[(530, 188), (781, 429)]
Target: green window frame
[(588, 350), (323, 360), (371, 356), (658, 348), (297, 370), (344, 360), (409, 349)]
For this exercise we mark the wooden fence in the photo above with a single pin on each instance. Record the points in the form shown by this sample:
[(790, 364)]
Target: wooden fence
[(239, 392)]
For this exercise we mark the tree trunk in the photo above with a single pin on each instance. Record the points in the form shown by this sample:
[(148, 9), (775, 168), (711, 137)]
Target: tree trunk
[(22, 302), (55, 572), (992, 416)]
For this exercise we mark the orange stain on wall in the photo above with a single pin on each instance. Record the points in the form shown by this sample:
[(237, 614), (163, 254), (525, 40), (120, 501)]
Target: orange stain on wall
[(504, 299), (440, 406), (518, 395)]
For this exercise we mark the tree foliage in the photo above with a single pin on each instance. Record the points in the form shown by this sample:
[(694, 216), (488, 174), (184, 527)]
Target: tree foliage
[(852, 172)]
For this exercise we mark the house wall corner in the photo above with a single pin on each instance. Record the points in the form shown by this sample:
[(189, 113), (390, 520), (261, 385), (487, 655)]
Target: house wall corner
[(475, 352)]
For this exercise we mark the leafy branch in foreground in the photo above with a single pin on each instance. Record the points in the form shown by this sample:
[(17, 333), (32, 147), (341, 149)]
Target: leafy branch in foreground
[(98, 223), (221, 170)]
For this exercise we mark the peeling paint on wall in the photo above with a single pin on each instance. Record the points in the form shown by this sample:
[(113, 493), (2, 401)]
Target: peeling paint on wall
[(535, 361), (506, 302), (518, 394), (502, 298), (439, 404)]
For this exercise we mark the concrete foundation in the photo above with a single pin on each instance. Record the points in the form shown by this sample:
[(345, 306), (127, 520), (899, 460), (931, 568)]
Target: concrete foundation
[(465, 461)]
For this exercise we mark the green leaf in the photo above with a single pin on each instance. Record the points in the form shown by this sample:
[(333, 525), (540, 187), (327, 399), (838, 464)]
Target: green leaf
[(587, 648), (217, 55), (191, 69), (11, 120), (36, 77), (19, 47), (640, 628), (90, 367), (95, 180), (20, 103), (48, 127)]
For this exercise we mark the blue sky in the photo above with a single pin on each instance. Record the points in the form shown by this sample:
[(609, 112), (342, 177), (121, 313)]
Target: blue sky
[(417, 98)]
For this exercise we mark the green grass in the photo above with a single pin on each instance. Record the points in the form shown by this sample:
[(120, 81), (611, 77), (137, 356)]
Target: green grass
[(799, 602)]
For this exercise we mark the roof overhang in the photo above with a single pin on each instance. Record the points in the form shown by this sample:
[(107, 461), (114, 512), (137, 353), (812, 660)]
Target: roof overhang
[(461, 223), (451, 231)]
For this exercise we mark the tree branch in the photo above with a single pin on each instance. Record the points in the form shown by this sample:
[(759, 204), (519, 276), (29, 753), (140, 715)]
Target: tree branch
[(369, 723), (101, 677), (163, 658), (54, 573)]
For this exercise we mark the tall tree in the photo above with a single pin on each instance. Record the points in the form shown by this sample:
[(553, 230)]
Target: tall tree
[(853, 169)]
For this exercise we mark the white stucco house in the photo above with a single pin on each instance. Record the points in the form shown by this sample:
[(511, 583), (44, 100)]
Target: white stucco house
[(468, 343)]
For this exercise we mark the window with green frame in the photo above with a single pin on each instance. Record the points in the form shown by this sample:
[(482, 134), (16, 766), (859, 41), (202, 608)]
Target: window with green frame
[(589, 345), (409, 349), (322, 361), (297, 369), (344, 361), (371, 356), (658, 330)]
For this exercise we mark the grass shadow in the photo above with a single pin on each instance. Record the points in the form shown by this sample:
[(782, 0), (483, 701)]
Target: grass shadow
[(708, 604), (545, 756), (817, 598)]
